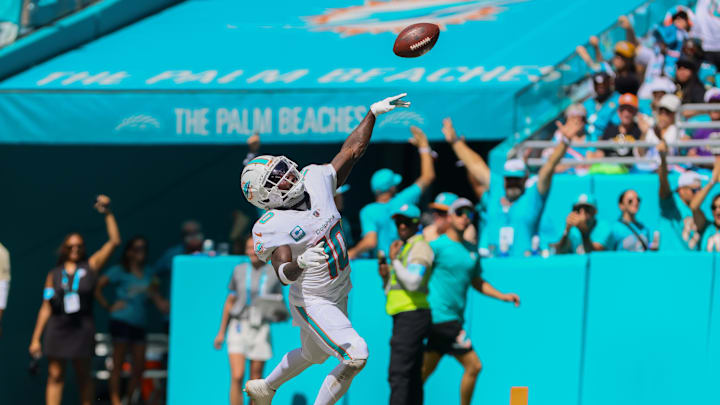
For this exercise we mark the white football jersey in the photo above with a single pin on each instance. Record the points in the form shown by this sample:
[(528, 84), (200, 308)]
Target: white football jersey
[(301, 230)]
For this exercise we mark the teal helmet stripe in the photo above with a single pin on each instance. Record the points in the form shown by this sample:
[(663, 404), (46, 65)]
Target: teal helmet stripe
[(259, 160)]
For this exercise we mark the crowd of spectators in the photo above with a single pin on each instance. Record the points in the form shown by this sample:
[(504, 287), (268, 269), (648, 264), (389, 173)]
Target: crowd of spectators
[(20, 17)]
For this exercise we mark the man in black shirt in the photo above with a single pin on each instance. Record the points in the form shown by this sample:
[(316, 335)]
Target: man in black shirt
[(625, 132)]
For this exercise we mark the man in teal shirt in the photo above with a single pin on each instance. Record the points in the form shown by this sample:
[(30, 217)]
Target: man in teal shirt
[(583, 232), (455, 268), (510, 216), (680, 212), (378, 229), (627, 233)]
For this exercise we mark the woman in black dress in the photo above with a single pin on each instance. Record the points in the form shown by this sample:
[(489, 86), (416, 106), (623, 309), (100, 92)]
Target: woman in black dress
[(65, 316)]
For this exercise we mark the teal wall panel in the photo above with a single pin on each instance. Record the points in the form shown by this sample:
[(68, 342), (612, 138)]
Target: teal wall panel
[(647, 318)]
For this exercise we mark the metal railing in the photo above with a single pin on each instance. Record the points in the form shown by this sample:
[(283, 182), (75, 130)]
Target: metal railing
[(629, 160), (542, 101), (682, 124)]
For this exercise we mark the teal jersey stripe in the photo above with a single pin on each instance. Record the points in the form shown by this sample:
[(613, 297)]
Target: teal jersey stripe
[(322, 334), (261, 161)]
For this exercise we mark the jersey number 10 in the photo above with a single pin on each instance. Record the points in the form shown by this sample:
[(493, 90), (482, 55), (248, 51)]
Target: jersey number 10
[(336, 250)]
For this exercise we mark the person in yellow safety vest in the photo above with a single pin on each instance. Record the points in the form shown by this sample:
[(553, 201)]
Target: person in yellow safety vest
[(405, 280)]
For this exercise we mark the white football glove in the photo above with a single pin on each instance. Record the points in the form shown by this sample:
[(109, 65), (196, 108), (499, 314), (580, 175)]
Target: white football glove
[(313, 257), (381, 107)]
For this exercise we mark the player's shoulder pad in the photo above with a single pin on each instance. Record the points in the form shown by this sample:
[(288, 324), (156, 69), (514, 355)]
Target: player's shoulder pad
[(269, 233)]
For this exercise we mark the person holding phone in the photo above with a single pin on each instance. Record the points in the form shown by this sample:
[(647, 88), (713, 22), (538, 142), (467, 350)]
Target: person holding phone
[(66, 317)]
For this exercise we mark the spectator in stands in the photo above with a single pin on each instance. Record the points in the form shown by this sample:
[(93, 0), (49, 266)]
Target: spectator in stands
[(627, 131), (711, 236), (705, 227), (679, 231), (132, 283), (66, 317), (511, 219), (576, 112), (246, 321), (601, 108), (583, 232), (627, 233), (690, 88), (440, 223), (663, 129), (456, 267), (4, 281), (707, 26), (378, 231), (192, 240), (405, 281), (661, 62), (655, 90), (692, 48), (340, 204), (711, 96)]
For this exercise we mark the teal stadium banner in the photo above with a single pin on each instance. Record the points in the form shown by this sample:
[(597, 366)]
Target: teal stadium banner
[(215, 71)]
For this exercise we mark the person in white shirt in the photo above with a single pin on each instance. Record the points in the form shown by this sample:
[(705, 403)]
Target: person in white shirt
[(4, 280)]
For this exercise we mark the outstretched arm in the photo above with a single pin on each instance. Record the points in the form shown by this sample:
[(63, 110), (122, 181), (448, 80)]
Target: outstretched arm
[(356, 144), (474, 163), (427, 165), (665, 191), (698, 216), (568, 130), (485, 288), (99, 258)]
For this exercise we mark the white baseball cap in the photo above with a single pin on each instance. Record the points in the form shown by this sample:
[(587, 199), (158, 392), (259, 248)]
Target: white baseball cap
[(662, 83), (670, 101), (689, 178)]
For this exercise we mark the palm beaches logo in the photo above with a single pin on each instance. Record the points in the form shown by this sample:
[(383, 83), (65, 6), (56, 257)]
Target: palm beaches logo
[(392, 16)]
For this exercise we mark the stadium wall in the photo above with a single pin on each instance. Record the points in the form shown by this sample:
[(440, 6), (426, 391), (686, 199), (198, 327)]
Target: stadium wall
[(608, 328)]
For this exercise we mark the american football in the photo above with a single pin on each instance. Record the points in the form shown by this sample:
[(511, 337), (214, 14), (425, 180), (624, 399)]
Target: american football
[(416, 40)]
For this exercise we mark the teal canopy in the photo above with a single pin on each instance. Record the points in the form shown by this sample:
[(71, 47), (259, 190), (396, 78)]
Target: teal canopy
[(214, 71)]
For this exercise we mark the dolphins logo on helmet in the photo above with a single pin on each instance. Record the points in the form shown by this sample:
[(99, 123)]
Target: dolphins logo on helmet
[(270, 182)]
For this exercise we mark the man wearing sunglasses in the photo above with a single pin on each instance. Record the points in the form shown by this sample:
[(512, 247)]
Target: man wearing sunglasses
[(629, 234), (405, 280), (583, 232), (441, 221), (682, 221), (456, 267), (510, 214)]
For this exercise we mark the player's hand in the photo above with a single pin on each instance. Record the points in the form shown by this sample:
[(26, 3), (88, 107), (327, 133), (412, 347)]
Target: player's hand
[(102, 204), (512, 297), (219, 339), (419, 139), (395, 249), (389, 104), (313, 257), (253, 142)]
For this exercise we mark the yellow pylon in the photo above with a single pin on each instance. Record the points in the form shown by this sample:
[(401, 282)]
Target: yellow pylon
[(518, 395)]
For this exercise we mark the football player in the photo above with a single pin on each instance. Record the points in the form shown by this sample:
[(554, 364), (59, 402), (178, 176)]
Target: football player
[(302, 234)]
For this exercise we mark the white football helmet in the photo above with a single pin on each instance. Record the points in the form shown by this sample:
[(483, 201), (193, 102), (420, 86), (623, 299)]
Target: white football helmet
[(270, 182)]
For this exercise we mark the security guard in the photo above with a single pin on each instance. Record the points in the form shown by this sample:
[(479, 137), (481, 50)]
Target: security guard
[(405, 280)]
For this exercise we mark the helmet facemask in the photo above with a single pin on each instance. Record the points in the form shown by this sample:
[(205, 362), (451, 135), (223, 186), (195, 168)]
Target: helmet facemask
[(284, 184)]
